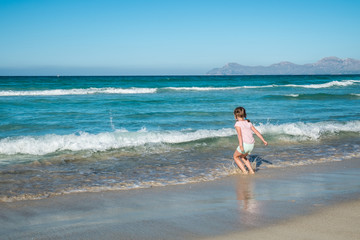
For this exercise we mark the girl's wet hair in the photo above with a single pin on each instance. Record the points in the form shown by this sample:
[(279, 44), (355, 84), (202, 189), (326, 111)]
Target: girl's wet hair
[(240, 112)]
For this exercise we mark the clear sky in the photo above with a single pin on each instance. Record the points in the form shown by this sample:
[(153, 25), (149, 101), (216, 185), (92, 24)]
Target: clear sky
[(137, 37)]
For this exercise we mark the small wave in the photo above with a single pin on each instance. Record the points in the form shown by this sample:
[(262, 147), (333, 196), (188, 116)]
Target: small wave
[(134, 90), (316, 96), (342, 83), (308, 131), (79, 91), (127, 184), (201, 88)]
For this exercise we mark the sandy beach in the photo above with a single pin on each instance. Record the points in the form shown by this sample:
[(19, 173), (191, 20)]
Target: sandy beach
[(339, 221), (320, 201)]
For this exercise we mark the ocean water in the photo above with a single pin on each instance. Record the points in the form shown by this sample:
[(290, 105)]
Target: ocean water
[(60, 135)]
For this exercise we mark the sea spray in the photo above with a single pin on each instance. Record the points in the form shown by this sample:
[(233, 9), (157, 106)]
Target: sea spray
[(111, 121)]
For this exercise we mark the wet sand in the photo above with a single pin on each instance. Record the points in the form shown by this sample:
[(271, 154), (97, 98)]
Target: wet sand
[(320, 201)]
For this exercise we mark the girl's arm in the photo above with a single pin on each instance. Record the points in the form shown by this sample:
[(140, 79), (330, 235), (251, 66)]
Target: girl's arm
[(259, 135), (238, 130)]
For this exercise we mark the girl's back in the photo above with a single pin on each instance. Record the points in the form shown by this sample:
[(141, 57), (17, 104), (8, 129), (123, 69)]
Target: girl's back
[(246, 132)]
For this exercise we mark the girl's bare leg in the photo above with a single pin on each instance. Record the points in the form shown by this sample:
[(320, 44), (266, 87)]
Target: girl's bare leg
[(247, 163), (238, 162)]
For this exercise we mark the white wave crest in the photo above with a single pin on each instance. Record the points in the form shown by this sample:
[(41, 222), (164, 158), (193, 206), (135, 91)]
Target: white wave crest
[(343, 83), (134, 90), (78, 91), (42, 145), (309, 131), (265, 86), (101, 142), (201, 88)]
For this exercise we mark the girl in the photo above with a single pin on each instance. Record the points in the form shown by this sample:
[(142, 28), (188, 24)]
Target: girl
[(244, 129)]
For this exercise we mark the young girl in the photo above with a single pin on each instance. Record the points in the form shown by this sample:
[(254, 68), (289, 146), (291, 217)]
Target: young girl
[(245, 130)]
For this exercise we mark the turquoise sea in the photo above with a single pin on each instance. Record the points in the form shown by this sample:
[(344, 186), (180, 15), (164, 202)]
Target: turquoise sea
[(60, 135)]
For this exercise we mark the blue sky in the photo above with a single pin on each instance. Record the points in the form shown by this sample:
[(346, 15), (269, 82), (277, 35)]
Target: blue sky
[(106, 37)]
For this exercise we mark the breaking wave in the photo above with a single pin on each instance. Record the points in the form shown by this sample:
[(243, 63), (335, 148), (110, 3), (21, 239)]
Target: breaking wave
[(316, 96), (134, 90), (41, 145), (343, 83), (79, 91)]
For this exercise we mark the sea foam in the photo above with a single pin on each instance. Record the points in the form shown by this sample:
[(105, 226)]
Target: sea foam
[(78, 91), (134, 90), (201, 88), (41, 145), (343, 83), (308, 131)]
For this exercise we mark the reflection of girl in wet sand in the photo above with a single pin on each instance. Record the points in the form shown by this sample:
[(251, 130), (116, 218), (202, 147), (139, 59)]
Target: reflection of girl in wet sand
[(248, 206), (245, 130), (244, 193)]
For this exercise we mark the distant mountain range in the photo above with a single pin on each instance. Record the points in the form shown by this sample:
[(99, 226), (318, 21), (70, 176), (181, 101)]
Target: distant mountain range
[(328, 65)]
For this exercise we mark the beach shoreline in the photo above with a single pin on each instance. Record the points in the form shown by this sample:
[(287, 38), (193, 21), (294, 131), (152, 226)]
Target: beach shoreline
[(223, 208)]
